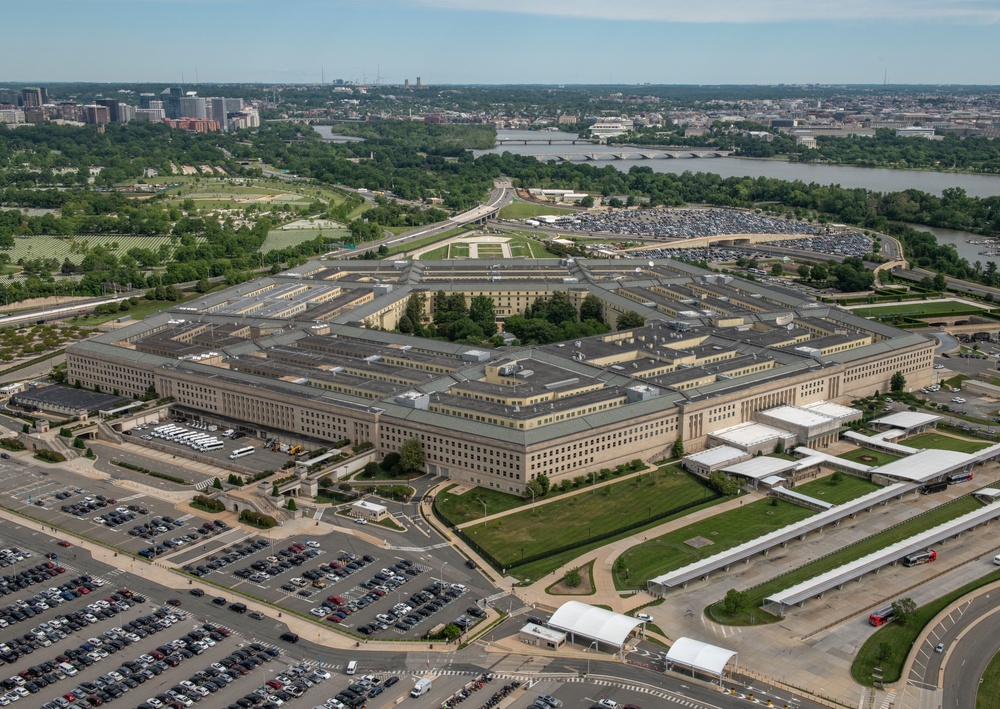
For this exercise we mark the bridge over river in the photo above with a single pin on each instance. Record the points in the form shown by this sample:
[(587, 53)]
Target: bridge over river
[(645, 155)]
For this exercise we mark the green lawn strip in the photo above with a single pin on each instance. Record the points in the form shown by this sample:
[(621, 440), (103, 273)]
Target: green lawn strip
[(458, 250), (879, 457), (846, 489), (143, 310), (948, 443), (438, 254), (944, 307), (901, 637), (727, 530), (459, 509), (526, 210), (988, 696), (427, 240), (911, 527), (285, 238), (580, 517)]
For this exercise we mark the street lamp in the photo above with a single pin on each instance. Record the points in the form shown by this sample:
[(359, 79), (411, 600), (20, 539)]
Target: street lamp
[(442, 571), (484, 508), (594, 646)]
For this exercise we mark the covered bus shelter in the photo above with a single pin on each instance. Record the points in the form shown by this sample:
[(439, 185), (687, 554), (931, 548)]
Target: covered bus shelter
[(595, 625), (700, 657)]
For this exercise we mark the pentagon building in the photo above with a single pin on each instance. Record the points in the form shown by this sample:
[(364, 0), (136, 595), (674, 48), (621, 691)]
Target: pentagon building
[(309, 356)]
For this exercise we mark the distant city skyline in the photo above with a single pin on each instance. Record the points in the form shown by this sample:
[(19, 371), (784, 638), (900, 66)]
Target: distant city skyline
[(486, 42)]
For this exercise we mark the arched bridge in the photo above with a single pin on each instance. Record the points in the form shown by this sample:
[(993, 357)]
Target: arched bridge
[(646, 155)]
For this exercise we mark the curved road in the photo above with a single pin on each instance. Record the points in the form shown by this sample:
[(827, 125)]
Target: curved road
[(970, 638)]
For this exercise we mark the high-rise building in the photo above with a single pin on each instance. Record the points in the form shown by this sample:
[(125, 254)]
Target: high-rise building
[(194, 107), (146, 99), (126, 113), (96, 115), (33, 97), (11, 115), (219, 109), (152, 115), (171, 99), (112, 105)]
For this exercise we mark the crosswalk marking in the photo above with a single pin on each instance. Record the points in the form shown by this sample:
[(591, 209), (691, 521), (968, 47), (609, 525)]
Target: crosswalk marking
[(442, 545)]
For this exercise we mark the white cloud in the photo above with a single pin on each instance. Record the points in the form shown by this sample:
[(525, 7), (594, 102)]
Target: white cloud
[(737, 11)]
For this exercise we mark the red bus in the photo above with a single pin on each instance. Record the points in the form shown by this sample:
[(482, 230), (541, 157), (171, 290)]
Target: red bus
[(920, 557), (881, 617)]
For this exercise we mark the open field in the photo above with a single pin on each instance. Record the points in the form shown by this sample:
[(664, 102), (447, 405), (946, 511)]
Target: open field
[(753, 615), (428, 240), (589, 514), (526, 210), (846, 489), (528, 248), (948, 443), (73, 248), (727, 530), (944, 307), (901, 637), (880, 458), (282, 238)]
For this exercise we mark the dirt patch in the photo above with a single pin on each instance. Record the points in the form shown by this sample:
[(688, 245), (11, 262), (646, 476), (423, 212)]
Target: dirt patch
[(699, 542), (867, 459)]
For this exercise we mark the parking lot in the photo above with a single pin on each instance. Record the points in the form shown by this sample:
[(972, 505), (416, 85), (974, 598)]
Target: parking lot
[(363, 591), (263, 458)]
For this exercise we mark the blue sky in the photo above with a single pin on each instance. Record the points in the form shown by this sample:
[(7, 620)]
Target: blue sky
[(515, 41)]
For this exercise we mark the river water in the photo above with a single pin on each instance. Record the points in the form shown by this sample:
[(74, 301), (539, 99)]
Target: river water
[(877, 179), (328, 135), (960, 240)]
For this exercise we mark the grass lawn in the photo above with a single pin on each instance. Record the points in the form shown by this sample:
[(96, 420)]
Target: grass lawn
[(901, 638), (459, 509), (948, 443), (837, 493), (727, 530), (880, 458), (438, 254), (144, 309), (73, 248), (943, 307), (526, 210), (283, 238), (427, 240), (988, 696), (752, 615), (527, 248), (589, 514)]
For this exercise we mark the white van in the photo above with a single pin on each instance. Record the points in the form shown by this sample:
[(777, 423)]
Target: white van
[(352, 667), (68, 669), (996, 559)]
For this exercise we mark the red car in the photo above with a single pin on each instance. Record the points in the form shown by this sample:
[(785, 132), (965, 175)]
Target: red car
[(274, 684), (334, 618), (64, 543)]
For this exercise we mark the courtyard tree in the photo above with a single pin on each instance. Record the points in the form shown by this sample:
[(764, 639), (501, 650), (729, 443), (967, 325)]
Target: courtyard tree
[(573, 579), (628, 320), (677, 450), (411, 455), (735, 601), (898, 382)]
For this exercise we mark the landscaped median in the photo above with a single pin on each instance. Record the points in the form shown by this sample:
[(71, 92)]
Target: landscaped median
[(722, 532), (751, 612)]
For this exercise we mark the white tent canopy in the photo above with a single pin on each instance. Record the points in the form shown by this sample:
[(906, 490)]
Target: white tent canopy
[(700, 656), (593, 623)]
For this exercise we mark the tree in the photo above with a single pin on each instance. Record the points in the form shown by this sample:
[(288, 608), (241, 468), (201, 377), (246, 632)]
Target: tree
[(903, 609), (883, 652), (482, 311), (544, 482), (734, 602), (451, 632), (573, 579), (805, 272), (533, 489), (819, 273), (587, 202), (898, 382), (217, 484), (370, 470), (723, 484), (628, 320), (837, 477), (274, 490), (292, 507), (411, 455), (326, 482), (677, 451), (777, 270), (592, 309)]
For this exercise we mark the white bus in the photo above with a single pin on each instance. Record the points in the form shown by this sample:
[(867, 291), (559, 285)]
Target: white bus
[(211, 447), (181, 437), (241, 452), (199, 440)]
